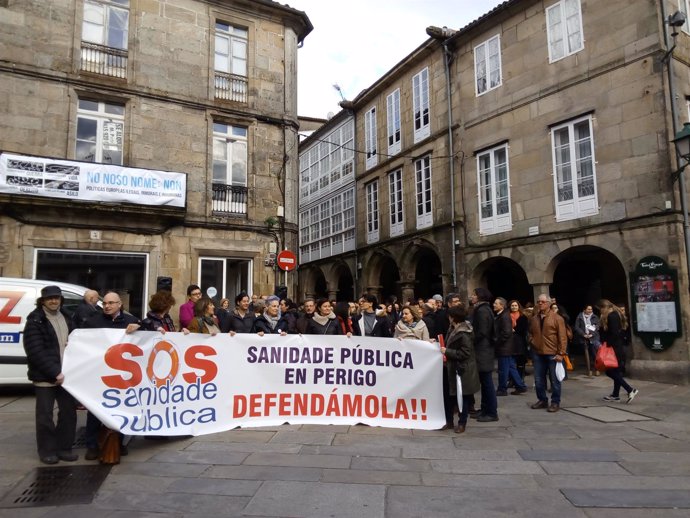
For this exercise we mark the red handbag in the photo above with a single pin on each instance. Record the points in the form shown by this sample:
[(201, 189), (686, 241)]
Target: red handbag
[(606, 358)]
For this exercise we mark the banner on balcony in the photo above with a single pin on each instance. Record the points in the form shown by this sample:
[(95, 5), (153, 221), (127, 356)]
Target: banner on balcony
[(86, 181), (147, 383)]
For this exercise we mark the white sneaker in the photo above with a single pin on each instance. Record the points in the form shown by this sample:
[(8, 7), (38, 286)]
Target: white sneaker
[(632, 395), (611, 398)]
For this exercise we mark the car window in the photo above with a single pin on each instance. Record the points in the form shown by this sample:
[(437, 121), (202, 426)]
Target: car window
[(72, 300)]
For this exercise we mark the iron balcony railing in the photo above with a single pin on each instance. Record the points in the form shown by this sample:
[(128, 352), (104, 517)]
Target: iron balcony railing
[(231, 87), (106, 61), (229, 199)]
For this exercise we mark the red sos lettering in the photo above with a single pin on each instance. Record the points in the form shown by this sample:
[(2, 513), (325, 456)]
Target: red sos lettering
[(13, 298), (120, 357)]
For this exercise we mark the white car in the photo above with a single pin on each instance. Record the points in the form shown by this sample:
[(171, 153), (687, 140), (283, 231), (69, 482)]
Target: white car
[(17, 300)]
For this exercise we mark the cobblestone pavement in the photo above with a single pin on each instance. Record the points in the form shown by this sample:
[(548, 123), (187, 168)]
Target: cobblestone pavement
[(591, 459)]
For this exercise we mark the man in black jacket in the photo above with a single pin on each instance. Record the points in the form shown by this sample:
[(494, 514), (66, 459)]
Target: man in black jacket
[(87, 308), (368, 323), (45, 338), (483, 326), (113, 317)]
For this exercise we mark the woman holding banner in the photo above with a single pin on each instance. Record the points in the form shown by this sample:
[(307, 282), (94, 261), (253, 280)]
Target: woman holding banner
[(324, 321), (411, 325), (459, 351), (205, 320)]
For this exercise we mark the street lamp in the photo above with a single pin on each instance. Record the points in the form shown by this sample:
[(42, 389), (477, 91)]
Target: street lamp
[(682, 143)]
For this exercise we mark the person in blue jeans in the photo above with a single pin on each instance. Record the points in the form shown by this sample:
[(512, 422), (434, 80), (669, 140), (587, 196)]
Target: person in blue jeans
[(504, 339), (549, 344)]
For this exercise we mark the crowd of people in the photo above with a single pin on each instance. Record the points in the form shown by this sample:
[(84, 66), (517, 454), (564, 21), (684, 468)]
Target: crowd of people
[(488, 334)]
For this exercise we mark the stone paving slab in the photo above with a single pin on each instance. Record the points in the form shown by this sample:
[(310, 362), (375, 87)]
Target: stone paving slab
[(360, 450), (657, 468), (135, 482), (201, 457), (302, 461), (506, 467), (602, 443), (570, 455), (448, 451), (609, 414), (612, 483), (159, 469), (300, 437), (185, 503), (415, 502), (635, 513), (390, 464), (250, 435), (360, 476), (500, 482), (215, 486), (246, 447), (298, 499), (582, 468), (652, 498), (660, 445), (269, 472)]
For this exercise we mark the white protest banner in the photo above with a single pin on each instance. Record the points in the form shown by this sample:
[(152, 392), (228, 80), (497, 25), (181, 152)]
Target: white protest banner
[(86, 181), (175, 384)]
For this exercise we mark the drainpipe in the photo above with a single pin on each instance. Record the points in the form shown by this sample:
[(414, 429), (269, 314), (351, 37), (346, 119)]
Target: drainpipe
[(668, 59), (444, 35)]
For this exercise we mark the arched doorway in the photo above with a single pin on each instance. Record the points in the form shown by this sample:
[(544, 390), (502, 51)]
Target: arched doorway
[(345, 283), (389, 279), (584, 275), (320, 286), (428, 278), (505, 278)]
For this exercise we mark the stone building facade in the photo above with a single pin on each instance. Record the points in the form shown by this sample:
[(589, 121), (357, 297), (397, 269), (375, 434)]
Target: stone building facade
[(562, 170), (198, 92)]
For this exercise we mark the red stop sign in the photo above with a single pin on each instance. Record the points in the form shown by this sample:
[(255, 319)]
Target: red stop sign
[(287, 260)]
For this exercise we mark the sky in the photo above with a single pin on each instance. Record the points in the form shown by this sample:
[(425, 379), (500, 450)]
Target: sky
[(356, 42)]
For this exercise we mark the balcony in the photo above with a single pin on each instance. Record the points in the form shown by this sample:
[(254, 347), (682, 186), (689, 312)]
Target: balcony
[(229, 199), (102, 60), (231, 87)]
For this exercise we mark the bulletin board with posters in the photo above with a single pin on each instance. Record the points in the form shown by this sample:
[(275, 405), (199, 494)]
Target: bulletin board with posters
[(655, 303)]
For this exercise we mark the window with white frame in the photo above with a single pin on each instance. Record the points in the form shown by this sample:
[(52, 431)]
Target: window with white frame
[(420, 105), (574, 170), (229, 276), (229, 155), (493, 181), (372, 190), (106, 22), (100, 128), (564, 29), (393, 122), (230, 49), (487, 65), (422, 168), (397, 214), (370, 137), (684, 7)]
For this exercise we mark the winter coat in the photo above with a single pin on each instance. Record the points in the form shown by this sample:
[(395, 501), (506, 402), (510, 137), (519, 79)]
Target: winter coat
[(198, 325), (302, 323), (101, 320), (291, 316), (42, 347), (503, 334), (332, 327), (84, 312), (262, 324), (460, 353), (240, 324), (483, 327), (418, 332), (579, 331), (152, 322), (520, 336), (548, 337), (382, 327), (614, 336)]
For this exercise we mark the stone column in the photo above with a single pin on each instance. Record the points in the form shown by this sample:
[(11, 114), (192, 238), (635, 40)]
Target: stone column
[(407, 292), (538, 289)]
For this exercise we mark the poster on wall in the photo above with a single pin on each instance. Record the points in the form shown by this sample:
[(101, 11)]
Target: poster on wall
[(86, 181), (656, 306)]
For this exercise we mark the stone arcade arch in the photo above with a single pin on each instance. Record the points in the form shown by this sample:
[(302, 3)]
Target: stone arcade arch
[(381, 275), (340, 279), (584, 274), (503, 277), (314, 283), (428, 273)]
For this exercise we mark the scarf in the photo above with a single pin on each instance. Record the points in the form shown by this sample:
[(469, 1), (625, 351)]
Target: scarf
[(514, 315), (321, 320), (272, 321)]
